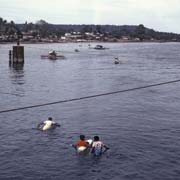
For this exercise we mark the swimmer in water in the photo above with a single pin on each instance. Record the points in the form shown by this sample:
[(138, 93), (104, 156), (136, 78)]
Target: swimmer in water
[(98, 147), (48, 124)]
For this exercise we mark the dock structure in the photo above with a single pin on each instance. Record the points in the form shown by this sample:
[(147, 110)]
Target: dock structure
[(16, 56)]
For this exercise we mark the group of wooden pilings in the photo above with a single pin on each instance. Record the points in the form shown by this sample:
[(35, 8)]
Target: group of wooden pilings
[(16, 55)]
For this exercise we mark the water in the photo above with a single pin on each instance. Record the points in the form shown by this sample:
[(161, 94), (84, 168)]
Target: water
[(141, 127)]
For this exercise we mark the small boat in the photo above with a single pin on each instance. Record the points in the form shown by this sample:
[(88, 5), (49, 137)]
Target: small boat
[(100, 47), (76, 50), (52, 55), (116, 61)]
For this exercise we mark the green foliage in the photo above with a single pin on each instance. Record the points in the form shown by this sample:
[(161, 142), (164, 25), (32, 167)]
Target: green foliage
[(10, 30), (42, 29)]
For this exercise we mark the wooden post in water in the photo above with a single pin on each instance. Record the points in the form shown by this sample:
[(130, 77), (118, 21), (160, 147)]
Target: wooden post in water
[(18, 54), (10, 57)]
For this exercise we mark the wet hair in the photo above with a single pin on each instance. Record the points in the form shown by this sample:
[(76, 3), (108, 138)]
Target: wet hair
[(82, 137), (96, 138), (50, 118)]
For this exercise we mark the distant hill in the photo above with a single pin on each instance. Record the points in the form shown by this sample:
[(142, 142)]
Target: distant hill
[(132, 31), (42, 29)]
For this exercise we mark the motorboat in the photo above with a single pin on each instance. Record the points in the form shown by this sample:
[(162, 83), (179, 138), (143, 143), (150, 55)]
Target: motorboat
[(99, 47), (116, 61), (76, 50), (52, 55)]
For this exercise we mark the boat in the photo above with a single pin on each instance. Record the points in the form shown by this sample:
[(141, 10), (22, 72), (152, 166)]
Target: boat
[(99, 47), (52, 55), (116, 61), (76, 50)]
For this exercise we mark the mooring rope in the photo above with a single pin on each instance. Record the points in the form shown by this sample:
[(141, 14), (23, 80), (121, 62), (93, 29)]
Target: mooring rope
[(88, 97)]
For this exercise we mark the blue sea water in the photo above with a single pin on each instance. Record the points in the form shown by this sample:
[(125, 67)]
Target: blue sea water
[(142, 127)]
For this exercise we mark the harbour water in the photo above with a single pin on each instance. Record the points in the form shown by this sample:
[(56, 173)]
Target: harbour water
[(142, 127)]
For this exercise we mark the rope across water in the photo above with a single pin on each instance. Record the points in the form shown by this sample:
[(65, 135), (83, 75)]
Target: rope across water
[(88, 97)]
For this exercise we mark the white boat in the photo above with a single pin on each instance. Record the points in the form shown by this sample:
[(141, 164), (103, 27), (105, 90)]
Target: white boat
[(99, 47)]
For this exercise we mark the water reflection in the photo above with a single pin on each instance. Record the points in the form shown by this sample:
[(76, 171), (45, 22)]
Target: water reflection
[(17, 73), (17, 67)]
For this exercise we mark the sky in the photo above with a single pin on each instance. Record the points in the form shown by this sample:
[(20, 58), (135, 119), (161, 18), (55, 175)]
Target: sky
[(160, 15)]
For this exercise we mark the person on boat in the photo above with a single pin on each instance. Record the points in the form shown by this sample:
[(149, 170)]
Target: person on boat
[(52, 55), (81, 142), (98, 147), (48, 124)]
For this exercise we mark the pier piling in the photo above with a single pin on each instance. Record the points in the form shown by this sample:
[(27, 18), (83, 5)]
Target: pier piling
[(16, 56), (10, 57)]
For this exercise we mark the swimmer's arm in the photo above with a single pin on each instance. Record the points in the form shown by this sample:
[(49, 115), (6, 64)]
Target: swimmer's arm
[(57, 124), (75, 145), (54, 123), (106, 147), (40, 124), (92, 150)]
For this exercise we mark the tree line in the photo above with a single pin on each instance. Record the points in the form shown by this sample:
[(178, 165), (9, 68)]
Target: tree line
[(43, 29)]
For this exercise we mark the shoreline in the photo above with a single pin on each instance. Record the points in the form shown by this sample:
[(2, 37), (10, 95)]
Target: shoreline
[(31, 42)]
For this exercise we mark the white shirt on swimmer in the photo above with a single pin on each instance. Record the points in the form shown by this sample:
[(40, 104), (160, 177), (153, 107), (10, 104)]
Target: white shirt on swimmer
[(97, 145), (49, 123)]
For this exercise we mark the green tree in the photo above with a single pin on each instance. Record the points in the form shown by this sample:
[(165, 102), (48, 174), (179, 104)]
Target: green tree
[(140, 32), (98, 28), (1, 20)]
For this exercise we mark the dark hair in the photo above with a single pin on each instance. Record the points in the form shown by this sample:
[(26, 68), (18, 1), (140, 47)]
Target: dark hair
[(50, 118), (96, 138), (82, 137)]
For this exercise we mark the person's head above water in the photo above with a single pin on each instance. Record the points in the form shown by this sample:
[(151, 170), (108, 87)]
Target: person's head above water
[(50, 118), (82, 137), (96, 138)]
